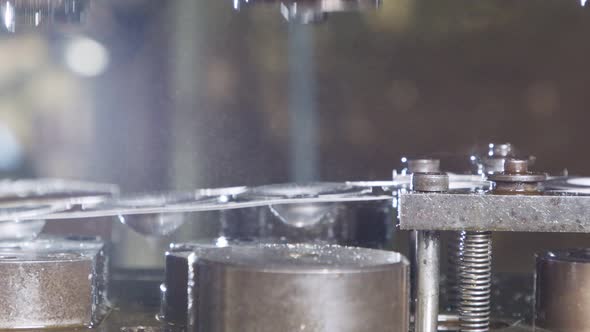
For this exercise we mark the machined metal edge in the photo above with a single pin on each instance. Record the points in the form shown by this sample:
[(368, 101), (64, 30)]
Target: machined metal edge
[(493, 212)]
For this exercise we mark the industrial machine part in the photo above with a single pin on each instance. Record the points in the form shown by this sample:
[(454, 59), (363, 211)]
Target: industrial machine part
[(475, 280), (475, 256), (493, 161), (428, 259), (470, 260), (519, 203), (423, 165), (298, 288), (562, 294), (363, 223), (173, 291), (52, 282), (418, 166), (517, 179)]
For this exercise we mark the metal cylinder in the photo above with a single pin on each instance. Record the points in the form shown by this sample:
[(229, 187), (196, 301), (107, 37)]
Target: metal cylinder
[(423, 165), (428, 280), (428, 259), (174, 289), (418, 166), (430, 182), (52, 282), (271, 288), (562, 291), (516, 166)]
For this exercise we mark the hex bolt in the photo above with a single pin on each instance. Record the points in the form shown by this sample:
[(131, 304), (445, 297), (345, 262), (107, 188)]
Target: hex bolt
[(428, 259), (517, 179)]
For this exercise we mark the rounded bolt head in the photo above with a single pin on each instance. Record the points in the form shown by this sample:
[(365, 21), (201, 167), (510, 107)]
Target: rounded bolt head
[(502, 150), (424, 165), (516, 166), (430, 182), (493, 165)]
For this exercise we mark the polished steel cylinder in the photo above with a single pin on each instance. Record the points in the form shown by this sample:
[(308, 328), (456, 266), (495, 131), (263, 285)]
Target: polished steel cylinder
[(428, 259), (428, 281), (317, 288), (562, 291), (426, 165)]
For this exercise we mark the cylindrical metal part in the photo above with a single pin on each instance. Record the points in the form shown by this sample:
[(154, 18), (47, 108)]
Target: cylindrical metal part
[(516, 178), (428, 280), (562, 291), (174, 289), (413, 256), (516, 166), (52, 282), (430, 182), (271, 288), (428, 259), (493, 165), (423, 165)]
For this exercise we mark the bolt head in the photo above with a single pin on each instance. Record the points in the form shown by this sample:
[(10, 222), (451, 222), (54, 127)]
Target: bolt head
[(424, 165), (430, 182), (516, 166)]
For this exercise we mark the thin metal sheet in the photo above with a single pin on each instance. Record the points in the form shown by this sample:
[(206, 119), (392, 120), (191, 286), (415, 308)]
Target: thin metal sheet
[(243, 197)]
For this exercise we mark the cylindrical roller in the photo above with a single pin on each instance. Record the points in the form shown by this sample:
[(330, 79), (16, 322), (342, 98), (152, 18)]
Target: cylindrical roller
[(562, 291), (310, 288), (52, 282), (427, 281)]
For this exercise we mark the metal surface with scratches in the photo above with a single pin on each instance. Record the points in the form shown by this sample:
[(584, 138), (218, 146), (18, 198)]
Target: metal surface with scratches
[(485, 211), (52, 282)]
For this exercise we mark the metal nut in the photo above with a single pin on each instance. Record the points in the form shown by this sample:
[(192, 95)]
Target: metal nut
[(430, 182)]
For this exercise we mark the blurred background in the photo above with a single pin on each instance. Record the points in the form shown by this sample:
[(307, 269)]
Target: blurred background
[(157, 95)]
